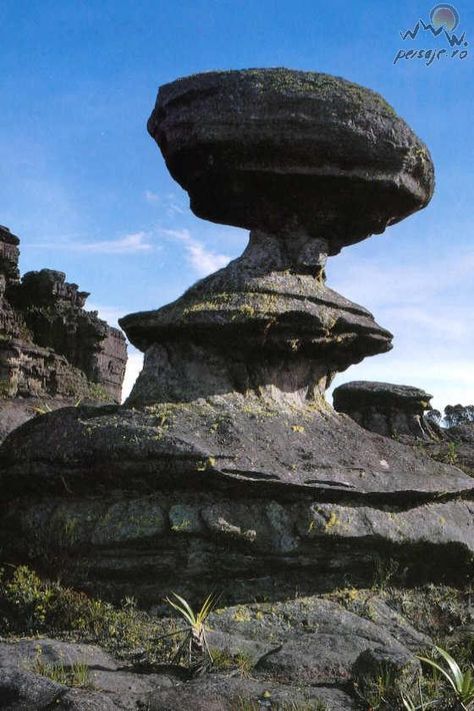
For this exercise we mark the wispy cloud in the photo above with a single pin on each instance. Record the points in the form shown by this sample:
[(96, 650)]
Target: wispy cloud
[(426, 304), (151, 197), (201, 259), (169, 202), (128, 244)]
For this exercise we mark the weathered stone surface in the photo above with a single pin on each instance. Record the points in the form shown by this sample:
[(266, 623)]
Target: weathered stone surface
[(220, 694), (9, 255), (164, 501), (297, 449), (227, 468), (305, 651), (256, 309), (52, 352), (22, 690), (385, 408), (456, 444), (276, 149), (379, 663)]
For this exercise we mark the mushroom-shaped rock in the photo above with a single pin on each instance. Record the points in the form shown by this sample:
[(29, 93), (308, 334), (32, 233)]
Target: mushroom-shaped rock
[(235, 468), (284, 150), (385, 408)]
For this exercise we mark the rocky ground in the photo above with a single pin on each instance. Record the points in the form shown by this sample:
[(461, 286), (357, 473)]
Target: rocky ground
[(351, 649)]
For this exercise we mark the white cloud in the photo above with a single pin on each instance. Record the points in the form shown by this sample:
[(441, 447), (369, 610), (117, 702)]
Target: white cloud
[(128, 244), (110, 314), (134, 366), (202, 260), (169, 203), (151, 197)]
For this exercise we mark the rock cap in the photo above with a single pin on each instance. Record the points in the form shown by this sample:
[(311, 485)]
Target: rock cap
[(278, 149)]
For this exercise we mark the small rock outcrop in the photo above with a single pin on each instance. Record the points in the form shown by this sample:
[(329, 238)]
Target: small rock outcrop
[(226, 467), (52, 351), (388, 409)]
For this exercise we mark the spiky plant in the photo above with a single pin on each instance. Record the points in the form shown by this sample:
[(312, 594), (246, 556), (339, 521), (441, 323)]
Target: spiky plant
[(461, 682), (194, 642)]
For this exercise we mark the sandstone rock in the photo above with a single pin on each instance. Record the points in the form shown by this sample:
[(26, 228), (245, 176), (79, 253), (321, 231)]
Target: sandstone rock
[(227, 467), (9, 255), (403, 671), (24, 691), (52, 352), (276, 149), (385, 408)]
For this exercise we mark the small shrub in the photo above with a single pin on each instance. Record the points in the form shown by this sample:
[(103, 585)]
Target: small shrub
[(76, 674), (30, 606)]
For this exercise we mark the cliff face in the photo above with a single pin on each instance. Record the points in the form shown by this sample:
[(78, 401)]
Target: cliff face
[(50, 347)]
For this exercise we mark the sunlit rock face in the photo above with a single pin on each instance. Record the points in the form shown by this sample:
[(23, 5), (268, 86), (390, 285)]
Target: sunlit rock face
[(227, 467), (53, 352)]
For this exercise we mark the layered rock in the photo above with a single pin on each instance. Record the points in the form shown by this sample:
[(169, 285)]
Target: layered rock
[(52, 351), (226, 467), (456, 444), (388, 409), (273, 149)]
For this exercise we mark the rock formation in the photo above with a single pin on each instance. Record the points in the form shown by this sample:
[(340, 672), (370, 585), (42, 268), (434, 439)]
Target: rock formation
[(404, 413), (391, 410), (52, 352), (226, 467)]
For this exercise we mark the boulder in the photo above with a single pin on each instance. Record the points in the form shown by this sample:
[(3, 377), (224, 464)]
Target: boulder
[(388, 409)]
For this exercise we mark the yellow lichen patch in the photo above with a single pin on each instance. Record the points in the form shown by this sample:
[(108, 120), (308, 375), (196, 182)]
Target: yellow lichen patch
[(297, 428), (205, 464), (242, 614), (332, 521)]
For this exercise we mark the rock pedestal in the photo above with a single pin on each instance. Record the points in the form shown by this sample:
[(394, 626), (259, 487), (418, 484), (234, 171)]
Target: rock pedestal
[(227, 467)]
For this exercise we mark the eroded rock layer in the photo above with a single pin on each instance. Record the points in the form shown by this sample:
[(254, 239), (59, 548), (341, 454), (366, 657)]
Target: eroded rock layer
[(52, 351), (274, 148), (388, 409), (226, 466)]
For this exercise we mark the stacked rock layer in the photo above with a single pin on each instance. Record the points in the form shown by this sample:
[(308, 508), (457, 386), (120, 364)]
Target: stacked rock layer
[(226, 467), (52, 351)]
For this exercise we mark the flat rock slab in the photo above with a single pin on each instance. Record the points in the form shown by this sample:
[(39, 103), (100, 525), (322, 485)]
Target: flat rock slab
[(320, 640), (229, 442), (366, 393), (184, 497), (217, 694)]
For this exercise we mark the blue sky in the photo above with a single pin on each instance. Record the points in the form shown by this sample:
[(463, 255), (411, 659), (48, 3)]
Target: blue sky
[(86, 189)]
